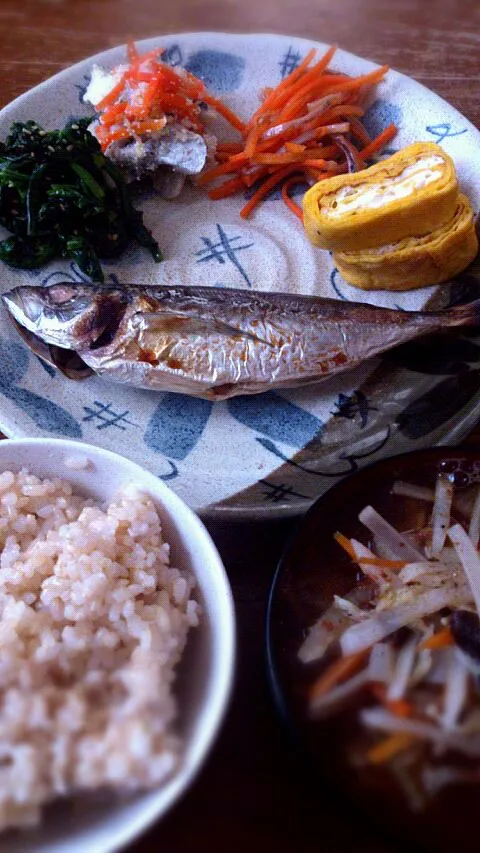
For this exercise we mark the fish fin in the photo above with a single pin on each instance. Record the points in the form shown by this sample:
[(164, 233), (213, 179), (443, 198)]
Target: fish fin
[(66, 361), (70, 364), (173, 322)]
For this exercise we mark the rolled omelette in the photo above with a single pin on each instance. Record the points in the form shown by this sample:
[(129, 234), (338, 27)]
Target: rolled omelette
[(415, 261), (409, 194)]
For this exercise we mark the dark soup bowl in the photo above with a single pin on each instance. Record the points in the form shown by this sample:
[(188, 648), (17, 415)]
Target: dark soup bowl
[(384, 695)]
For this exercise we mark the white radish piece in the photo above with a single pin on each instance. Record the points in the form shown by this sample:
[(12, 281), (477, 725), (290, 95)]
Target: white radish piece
[(418, 571), (401, 548), (380, 625), (380, 664), (338, 695), (321, 635), (441, 513), (410, 490), (435, 778), (355, 613), (381, 720), (474, 526), (469, 559), (438, 673), (403, 670), (375, 573), (455, 692)]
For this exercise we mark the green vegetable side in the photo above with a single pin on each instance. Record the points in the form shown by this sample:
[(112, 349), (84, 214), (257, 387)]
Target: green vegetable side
[(60, 197)]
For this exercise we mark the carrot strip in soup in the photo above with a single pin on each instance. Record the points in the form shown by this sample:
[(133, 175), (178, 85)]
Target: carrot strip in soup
[(338, 671), (389, 748), (346, 545), (440, 640)]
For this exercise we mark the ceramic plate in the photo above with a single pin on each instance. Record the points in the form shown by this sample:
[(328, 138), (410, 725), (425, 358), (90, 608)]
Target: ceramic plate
[(275, 453)]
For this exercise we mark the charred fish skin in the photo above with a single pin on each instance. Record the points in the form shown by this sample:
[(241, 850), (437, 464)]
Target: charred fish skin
[(216, 343)]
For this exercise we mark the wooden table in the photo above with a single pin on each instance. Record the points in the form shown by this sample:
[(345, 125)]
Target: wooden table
[(252, 794)]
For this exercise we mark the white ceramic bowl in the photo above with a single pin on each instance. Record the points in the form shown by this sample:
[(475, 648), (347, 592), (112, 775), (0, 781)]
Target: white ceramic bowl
[(205, 673)]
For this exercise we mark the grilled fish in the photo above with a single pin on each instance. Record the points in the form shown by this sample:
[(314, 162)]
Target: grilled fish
[(209, 342)]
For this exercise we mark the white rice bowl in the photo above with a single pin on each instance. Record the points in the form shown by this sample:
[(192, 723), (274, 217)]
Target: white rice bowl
[(96, 610)]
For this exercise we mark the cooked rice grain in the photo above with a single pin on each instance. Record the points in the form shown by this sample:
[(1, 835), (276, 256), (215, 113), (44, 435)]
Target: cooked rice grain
[(93, 622)]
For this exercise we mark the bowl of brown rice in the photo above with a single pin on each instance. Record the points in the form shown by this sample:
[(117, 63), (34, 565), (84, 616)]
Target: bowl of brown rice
[(116, 647)]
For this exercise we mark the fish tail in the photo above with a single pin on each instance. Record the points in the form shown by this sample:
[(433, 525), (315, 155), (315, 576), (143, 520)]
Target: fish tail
[(464, 315)]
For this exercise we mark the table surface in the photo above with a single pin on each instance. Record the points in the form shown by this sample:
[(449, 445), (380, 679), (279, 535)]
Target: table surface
[(253, 792)]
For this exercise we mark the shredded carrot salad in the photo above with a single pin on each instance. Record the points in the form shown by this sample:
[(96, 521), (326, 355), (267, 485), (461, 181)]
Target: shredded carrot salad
[(306, 129), (148, 93)]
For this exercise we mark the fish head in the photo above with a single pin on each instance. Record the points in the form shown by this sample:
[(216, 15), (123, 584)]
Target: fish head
[(67, 315)]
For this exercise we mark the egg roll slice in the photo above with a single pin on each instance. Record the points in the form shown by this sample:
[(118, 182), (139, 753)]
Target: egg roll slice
[(409, 194), (415, 261)]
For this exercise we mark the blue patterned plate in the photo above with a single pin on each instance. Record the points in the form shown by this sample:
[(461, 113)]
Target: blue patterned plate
[(275, 453)]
